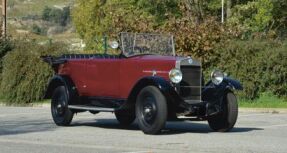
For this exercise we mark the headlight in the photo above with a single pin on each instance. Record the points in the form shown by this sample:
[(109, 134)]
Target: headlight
[(175, 75), (217, 77), (114, 44)]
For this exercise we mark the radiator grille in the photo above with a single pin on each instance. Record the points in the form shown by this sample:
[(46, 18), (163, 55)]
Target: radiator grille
[(190, 86)]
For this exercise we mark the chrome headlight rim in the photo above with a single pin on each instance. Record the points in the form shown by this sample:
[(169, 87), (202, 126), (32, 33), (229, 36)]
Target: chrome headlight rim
[(217, 77), (175, 75)]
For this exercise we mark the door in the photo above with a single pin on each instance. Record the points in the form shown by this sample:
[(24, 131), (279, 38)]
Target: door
[(103, 77)]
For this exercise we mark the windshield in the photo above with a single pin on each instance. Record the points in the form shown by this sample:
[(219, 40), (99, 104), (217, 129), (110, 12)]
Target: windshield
[(141, 43)]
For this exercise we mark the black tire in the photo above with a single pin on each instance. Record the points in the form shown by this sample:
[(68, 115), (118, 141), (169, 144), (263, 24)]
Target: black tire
[(226, 120), (151, 110), (125, 118), (61, 114)]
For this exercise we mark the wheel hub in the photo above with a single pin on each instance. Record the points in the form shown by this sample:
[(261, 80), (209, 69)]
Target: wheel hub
[(149, 110), (60, 108)]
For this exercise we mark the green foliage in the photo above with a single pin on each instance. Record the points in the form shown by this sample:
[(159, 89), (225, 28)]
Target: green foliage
[(161, 9), (95, 18), (259, 65), (25, 76), (6, 45), (275, 70), (198, 41), (265, 100), (61, 17), (280, 17), (38, 30), (255, 16)]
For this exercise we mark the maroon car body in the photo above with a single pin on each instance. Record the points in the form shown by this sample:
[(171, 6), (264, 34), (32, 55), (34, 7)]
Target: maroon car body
[(116, 77), (152, 88)]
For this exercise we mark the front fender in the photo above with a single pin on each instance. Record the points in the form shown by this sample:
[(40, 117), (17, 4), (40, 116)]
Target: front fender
[(233, 84), (213, 93), (162, 84)]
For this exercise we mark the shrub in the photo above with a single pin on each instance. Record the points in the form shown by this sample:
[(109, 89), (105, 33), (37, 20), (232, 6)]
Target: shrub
[(259, 65), (198, 41), (275, 71), (59, 16), (38, 30), (25, 76), (6, 45)]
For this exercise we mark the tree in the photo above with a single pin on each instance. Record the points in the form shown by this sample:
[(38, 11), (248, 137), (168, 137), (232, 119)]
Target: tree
[(255, 16), (95, 18)]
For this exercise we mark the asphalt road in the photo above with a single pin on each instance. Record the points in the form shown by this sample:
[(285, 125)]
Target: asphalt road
[(31, 130)]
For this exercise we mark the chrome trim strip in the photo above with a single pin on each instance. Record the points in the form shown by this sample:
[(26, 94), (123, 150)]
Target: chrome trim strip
[(91, 108), (152, 71)]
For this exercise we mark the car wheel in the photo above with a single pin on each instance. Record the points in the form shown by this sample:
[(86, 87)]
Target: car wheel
[(226, 120), (151, 110), (61, 114), (125, 118)]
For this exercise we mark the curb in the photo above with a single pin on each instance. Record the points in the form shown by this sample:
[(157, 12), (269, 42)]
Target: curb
[(44, 105), (263, 110)]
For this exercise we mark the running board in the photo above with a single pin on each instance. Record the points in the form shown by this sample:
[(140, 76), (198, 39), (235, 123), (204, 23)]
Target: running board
[(91, 108)]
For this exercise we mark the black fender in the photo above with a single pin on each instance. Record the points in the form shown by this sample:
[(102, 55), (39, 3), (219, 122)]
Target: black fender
[(60, 80), (213, 93), (232, 84), (162, 84)]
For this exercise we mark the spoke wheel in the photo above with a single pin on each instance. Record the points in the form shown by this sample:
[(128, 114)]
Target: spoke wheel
[(151, 110), (61, 114)]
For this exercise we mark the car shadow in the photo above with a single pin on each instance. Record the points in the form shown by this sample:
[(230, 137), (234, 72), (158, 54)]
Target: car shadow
[(170, 128), (14, 127)]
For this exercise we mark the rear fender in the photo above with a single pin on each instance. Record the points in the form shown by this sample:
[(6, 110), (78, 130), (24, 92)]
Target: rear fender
[(58, 80)]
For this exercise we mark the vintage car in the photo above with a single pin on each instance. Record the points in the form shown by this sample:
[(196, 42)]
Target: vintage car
[(146, 81)]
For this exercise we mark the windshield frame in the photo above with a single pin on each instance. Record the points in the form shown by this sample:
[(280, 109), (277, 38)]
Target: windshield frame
[(124, 52)]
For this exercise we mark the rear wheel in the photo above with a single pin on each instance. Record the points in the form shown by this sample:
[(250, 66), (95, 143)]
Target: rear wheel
[(226, 120), (61, 114), (151, 110)]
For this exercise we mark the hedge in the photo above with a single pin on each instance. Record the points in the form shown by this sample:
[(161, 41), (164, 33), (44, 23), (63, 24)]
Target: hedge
[(25, 75), (260, 65)]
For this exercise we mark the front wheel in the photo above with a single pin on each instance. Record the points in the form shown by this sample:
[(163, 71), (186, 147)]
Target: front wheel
[(61, 114), (151, 110), (226, 120)]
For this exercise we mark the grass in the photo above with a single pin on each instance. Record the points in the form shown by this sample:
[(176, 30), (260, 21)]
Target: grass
[(266, 100)]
